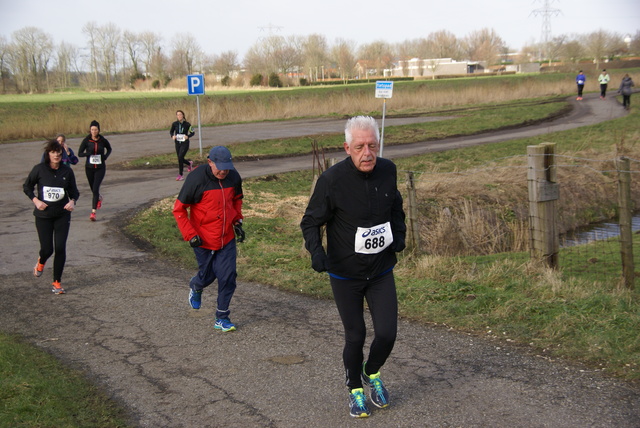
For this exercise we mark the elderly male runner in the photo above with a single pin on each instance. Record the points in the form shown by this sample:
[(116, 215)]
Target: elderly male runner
[(358, 201), (209, 214)]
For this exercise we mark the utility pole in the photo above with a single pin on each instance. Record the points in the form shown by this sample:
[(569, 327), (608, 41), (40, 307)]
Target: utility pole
[(546, 11)]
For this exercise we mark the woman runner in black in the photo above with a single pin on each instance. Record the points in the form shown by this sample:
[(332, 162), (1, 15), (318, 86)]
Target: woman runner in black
[(180, 132), (56, 197), (96, 149)]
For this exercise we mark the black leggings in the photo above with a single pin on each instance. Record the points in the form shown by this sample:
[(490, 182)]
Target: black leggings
[(181, 150), (53, 233), (603, 90), (95, 177), (626, 101), (380, 293)]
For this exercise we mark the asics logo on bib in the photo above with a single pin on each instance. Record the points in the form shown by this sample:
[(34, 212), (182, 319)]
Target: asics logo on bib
[(374, 232)]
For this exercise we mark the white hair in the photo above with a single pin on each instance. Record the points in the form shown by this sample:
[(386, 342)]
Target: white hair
[(364, 123)]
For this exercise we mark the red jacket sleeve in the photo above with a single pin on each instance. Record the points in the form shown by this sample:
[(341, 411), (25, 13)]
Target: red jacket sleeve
[(181, 215)]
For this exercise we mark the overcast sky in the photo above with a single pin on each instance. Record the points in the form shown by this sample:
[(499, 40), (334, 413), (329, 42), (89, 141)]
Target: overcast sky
[(220, 26)]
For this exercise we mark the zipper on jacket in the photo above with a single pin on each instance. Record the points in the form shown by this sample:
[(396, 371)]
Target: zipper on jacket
[(224, 214)]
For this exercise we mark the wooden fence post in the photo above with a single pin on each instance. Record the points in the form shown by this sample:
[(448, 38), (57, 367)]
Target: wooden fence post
[(625, 215), (543, 194), (414, 229)]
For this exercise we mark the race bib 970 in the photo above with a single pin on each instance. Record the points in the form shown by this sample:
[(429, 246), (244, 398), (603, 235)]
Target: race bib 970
[(373, 240), (95, 160), (52, 194)]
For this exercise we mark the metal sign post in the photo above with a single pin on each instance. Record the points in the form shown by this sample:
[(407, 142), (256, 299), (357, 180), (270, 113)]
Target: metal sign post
[(384, 90), (195, 86)]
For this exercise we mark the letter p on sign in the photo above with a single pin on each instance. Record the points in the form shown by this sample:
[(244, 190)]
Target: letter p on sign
[(195, 84)]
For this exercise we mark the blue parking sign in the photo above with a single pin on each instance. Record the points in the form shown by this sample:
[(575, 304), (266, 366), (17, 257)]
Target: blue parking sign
[(195, 84)]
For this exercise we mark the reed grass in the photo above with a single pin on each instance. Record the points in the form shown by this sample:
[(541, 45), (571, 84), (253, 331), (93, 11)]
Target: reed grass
[(39, 117)]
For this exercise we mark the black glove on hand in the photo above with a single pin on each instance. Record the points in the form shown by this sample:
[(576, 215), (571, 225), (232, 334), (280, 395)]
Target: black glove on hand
[(398, 245), (240, 235), (319, 261), (195, 241)]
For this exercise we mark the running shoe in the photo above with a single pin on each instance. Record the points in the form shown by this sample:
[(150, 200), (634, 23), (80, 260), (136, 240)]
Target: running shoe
[(224, 324), (99, 204), (56, 288), (38, 268), (190, 166), (195, 298), (92, 217), (179, 178), (358, 404), (379, 394)]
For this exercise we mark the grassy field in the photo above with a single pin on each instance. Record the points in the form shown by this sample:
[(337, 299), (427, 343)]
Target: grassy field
[(39, 116), (37, 391)]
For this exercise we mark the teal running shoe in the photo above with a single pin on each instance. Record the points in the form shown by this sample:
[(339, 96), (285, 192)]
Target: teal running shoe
[(358, 404), (379, 394), (224, 324)]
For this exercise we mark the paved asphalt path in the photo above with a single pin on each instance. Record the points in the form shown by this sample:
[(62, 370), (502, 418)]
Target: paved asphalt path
[(126, 323)]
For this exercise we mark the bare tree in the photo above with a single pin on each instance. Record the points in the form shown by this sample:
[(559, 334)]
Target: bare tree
[(274, 54), (404, 52), (150, 51), (226, 63), (133, 46), (634, 45), (255, 60), (108, 42), (315, 52), (90, 29), (444, 44), (483, 45), (343, 54), (31, 53), (597, 45), (4, 69), (378, 54), (573, 50), (186, 55), (66, 62)]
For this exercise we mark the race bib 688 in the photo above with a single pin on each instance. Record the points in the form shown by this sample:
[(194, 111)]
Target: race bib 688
[(373, 240)]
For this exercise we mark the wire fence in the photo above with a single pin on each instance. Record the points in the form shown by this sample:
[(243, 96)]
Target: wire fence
[(487, 210)]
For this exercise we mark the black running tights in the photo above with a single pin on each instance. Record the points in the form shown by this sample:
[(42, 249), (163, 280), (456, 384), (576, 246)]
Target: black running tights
[(181, 150), (53, 233), (95, 177), (380, 294)]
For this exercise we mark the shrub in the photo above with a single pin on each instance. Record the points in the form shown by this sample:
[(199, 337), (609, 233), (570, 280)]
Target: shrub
[(226, 81), (256, 80), (155, 84), (304, 82), (274, 81)]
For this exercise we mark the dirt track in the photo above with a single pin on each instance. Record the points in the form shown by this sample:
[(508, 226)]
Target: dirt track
[(126, 322)]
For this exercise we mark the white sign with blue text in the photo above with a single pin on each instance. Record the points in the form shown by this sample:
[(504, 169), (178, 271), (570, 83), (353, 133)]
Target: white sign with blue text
[(195, 84), (384, 89)]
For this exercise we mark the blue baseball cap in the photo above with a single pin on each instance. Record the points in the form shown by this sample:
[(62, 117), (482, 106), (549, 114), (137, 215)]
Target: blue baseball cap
[(221, 156)]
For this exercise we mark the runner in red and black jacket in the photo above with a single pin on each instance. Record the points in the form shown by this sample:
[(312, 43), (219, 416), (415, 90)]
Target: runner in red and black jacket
[(208, 212)]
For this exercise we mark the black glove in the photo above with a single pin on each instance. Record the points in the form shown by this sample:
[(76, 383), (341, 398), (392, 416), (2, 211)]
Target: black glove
[(195, 241), (240, 235), (319, 261), (398, 245)]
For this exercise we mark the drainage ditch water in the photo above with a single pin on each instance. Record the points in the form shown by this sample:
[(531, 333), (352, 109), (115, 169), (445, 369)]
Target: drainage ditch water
[(596, 232)]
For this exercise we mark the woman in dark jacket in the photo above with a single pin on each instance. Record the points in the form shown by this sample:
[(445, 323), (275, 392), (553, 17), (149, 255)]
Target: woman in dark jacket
[(180, 132), (56, 197), (96, 149), (626, 91)]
